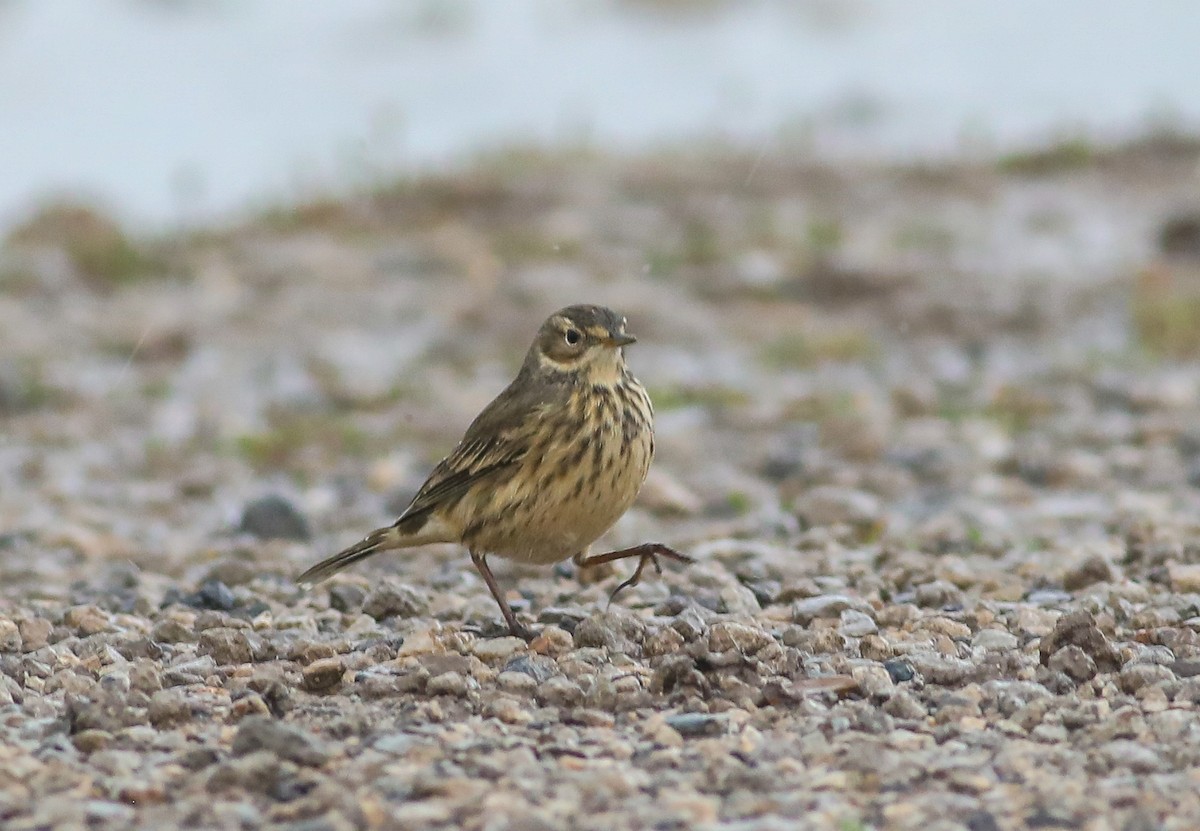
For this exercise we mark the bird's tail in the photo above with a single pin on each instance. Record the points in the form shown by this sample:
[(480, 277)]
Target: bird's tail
[(381, 539)]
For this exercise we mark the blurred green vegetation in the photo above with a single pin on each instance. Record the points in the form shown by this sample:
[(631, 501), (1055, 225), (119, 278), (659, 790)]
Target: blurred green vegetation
[(1165, 310), (96, 245), (1068, 154), (300, 442), (678, 397), (807, 349)]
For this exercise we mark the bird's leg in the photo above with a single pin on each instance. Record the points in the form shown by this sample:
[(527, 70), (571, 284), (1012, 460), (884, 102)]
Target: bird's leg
[(646, 553), (589, 576), (514, 625)]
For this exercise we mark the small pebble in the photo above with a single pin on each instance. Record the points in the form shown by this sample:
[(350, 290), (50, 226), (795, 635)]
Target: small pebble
[(493, 650), (394, 600), (856, 624), (449, 683), (10, 636), (693, 725), (346, 598), (899, 671), (827, 606), (323, 675), (746, 640), (212, 595), (274, 517)]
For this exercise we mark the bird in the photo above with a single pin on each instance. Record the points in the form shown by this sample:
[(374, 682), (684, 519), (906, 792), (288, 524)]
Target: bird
[(544, 470)]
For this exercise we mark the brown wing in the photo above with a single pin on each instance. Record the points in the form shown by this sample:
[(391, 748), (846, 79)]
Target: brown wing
[(497, 439)]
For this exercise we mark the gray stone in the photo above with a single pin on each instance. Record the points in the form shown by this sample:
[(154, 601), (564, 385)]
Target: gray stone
[(536, 667), (994, 640), (941, 670), (829, 504), (1074, 663), (826, 606), (693, 725), (285, 741), (939, 594), (737, 636), (1135, 676), (616, 632), (35, 633), (346, 597), (856, 624), (274, 517), (226, 646), (395, 600)]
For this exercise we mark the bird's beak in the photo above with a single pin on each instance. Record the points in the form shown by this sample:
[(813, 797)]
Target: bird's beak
[(619, 340)]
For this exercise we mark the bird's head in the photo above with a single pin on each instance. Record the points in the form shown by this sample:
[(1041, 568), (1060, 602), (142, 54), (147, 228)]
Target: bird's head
[(585, 341)]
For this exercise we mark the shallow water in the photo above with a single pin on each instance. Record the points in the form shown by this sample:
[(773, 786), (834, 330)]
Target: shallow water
[(184, 111)]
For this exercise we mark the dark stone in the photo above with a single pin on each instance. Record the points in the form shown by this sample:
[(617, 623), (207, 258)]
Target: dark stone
[(490, 628), (213, 595), (537, 668), (766, 592), (900, 671), (564, 617), (1041, 818), (313, 823), (1094, 569), (1054, 681), (675, 672), (982, 821), (288, 788), (273, 517), (199, 758), (275, 694), (1079, 629), (1180, 236), (1185, 668), (255, 772), (692, 623), (346, 598), (672, 606), (103, 711), (250, 611)]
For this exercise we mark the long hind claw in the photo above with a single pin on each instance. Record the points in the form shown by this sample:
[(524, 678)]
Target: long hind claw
[(646, 553), (634, 578)]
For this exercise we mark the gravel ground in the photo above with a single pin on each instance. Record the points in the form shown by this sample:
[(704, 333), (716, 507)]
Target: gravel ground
[(932, 434)]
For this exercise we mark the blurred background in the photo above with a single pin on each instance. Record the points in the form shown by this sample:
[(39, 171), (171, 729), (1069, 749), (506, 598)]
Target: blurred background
[(171, 112), (304, 241)]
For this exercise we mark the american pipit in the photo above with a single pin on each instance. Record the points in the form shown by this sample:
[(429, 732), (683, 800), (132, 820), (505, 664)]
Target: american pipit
[(545, 469)]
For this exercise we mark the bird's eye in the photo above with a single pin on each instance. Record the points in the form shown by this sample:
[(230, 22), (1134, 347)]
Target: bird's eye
[(573, 336)]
